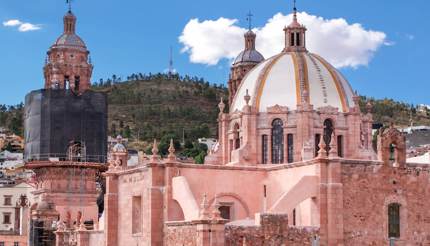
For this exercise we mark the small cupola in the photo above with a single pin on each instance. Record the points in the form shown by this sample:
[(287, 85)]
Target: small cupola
[(69, 23), (295, 35)]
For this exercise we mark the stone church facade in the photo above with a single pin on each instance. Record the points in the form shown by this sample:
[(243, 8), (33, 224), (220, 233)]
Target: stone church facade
[(294, 165)]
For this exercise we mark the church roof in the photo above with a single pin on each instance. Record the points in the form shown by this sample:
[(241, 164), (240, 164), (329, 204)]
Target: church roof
[(290, 77), (70, 41), (249, 56)]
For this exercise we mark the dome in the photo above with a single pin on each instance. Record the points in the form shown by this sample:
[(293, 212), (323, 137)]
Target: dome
[(69, 38), (70, 41), (249, 56), (119, 147), (287, 78)]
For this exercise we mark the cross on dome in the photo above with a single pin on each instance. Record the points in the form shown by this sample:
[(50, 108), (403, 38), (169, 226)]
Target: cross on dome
[(69, 2), (249, 19)]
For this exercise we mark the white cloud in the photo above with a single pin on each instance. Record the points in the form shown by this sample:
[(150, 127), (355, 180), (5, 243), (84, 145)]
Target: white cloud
[(22, 26), (341, 43), (12, 23)]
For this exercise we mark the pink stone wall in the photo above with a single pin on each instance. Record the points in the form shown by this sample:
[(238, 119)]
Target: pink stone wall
[(181, 234), (194, 233), (130, 185), (241, 186), (368, 189), (272, 230), (10, 239)]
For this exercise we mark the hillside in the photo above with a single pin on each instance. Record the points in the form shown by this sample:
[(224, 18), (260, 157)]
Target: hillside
[(151, 106)]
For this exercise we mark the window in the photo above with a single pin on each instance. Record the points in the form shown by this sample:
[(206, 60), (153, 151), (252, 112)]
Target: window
[(6, 218), (236, 137), (8, 200), (264, 149), (290, 148), (1, 243), (340, 146), (292, 39), (294, 217), (136, 214), (394, 220), (392, 152), (77, 82), (225, 212), (16, 244), (277, 141), (317, 142), (297, 39), (328, 131)]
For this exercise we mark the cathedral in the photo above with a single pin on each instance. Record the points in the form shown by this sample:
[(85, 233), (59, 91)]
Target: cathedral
[(294, 163)]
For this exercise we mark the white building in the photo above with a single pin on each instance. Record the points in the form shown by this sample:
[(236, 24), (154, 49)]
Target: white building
[(210, 142), (10, 211)]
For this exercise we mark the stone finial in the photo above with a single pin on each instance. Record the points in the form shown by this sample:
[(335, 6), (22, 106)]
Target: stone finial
[(221, 106), (216, 214), (171, 155), (154, 148), (356, 99), (155, 156), (322, 153), (333, 147), (247, 98), (204, 214)]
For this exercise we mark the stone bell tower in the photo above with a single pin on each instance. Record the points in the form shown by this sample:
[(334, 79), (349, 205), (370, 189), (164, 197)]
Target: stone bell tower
[(244, 62), (68, 65), (65, 141)]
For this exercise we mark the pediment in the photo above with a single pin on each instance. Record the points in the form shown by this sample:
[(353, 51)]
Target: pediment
[(277, 109), (328, 110)]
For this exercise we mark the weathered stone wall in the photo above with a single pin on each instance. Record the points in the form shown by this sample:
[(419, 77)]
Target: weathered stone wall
[(181, 234), (194, 233), (273, 229), (369, 189)]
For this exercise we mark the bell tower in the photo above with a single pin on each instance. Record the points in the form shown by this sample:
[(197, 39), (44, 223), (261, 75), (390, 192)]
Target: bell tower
[(244, 62), (68, 64), (65, 128)]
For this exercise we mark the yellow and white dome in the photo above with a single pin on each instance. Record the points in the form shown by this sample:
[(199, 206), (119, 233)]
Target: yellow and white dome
[(291, 77)]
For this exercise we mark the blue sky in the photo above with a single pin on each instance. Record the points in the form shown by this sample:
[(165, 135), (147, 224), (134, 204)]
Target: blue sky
[(134, 36)]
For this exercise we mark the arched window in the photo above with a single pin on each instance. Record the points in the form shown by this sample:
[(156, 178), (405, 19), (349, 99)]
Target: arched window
[(394, 220), (277, 141), (292, 39), (392, 152), (317, 142), (298, 39), (328, 131), (236, 136), (264, 149), (290, 148), (340, 145)]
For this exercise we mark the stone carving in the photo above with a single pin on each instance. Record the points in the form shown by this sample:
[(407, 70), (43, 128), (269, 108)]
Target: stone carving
[(328, 110), (277, 109)]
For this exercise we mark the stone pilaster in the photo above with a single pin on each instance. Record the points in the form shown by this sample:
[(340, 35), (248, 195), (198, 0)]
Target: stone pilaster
[(111, 209)]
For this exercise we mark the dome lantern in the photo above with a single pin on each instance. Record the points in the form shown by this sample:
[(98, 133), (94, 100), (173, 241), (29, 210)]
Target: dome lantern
[(295, 35)]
